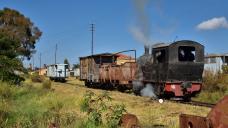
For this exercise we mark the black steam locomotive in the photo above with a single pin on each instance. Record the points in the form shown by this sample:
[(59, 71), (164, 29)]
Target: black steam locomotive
[(170, 70), (173, 70)]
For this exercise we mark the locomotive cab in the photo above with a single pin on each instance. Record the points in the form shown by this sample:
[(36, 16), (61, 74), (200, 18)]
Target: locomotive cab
[(185, 68)]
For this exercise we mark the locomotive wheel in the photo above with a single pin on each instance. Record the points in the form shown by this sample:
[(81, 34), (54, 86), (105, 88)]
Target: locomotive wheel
[(187, 98), (137, 90), (120, 88)]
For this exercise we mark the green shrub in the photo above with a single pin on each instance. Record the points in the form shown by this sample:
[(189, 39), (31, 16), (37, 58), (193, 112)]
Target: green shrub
[(6, 91), (46, 84), (225, 69), (8, 69), (35, 77), (210, 97), (215, 82), (113, 118), (215, 86), (98, 108)]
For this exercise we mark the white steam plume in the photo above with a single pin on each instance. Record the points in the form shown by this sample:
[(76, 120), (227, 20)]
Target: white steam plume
[(148, 91)]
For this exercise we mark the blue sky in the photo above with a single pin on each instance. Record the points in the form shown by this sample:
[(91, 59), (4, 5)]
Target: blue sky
[(66, 23)]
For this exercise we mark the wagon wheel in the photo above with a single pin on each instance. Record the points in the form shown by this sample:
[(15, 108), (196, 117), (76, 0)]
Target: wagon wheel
[(137, 88), (87, 84), (121, 88), (111, 86)]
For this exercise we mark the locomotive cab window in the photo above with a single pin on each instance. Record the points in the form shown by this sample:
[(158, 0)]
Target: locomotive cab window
[(186, 53), (160, 56)]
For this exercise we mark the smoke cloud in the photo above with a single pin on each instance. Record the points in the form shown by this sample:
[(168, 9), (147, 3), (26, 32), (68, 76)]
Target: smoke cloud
[(139, 35), (142, 30)]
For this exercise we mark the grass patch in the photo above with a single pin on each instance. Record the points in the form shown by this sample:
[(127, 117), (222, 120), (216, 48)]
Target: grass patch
[(150, 113), (35, 77), (46, 84), (30, 105)]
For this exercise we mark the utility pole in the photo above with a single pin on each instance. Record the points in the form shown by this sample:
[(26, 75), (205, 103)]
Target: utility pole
[(92, 30), (90, 69), (55, 52)]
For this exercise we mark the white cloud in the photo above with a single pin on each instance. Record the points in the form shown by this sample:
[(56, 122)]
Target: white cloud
[(214, 23)]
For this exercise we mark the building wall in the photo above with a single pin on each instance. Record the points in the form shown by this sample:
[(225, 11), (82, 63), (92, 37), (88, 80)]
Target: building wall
[(215, 66), (43, 72), (77, 72), (122, 61)]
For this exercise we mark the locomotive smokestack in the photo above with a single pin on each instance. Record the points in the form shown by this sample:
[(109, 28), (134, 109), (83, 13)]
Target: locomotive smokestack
[(147, 50)]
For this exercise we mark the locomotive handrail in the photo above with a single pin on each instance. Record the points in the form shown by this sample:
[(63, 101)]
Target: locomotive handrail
[(131, 50)]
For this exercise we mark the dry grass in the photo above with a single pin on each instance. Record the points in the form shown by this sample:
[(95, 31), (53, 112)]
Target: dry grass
[(150, 113), (33, 106), (215, 87)]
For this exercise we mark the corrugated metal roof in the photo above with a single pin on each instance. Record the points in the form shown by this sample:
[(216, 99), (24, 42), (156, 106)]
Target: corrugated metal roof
[(159, 45), (123, 56), (101, 54), (215, 55), (56, 64)]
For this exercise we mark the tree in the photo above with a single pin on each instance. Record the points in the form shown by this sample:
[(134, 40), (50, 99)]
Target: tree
[(76, 66), (18, 37), (66, 61)]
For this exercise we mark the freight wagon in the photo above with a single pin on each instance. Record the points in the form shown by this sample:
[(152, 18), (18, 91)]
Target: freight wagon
[(108, 70), (58, 72)]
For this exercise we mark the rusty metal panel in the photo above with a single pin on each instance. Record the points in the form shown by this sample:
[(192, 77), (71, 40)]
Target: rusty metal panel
[(124, 72), (217, 118), (191, 121), (83, 68), (89, 69), (219, 114), (103, 73), (118, 73)]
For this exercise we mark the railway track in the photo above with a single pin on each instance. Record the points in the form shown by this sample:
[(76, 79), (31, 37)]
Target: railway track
[(198, 103)]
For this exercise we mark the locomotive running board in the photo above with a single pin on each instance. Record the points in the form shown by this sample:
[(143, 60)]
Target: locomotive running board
[(217, 117)]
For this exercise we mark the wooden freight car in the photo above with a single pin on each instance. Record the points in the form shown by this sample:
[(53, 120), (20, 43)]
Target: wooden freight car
[(108, 70)]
